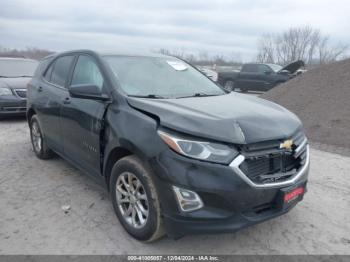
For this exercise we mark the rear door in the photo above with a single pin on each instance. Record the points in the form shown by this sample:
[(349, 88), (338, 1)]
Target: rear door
[(81, 119), (50, 93)]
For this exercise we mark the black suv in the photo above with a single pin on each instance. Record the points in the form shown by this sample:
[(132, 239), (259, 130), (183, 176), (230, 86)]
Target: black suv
[(178, 154)]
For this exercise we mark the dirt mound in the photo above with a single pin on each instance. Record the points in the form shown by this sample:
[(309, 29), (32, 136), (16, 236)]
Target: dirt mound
[(321, 98)]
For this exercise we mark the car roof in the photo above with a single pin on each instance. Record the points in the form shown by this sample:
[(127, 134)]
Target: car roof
[(111, 53)]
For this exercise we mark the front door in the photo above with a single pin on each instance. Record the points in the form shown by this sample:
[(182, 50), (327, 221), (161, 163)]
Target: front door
[(81, 119), (266, 77), (249, 78)]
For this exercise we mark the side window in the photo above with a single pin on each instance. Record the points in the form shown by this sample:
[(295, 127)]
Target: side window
[(87, 72), (61, 70), (264, 68), (41, 67), (48, 73), (250, 68)]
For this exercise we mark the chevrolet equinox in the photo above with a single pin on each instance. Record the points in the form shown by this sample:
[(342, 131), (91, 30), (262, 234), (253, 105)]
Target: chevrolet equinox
[(178, 154)]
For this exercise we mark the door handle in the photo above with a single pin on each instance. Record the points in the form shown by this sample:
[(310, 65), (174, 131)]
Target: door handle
[(66, 101), (40, 89)]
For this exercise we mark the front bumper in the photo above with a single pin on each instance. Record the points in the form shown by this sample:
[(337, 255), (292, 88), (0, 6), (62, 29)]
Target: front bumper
[(176, 227), (230, 201), (12, 105)]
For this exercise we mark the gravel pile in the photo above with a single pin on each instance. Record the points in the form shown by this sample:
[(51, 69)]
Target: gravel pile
[(321, 98)]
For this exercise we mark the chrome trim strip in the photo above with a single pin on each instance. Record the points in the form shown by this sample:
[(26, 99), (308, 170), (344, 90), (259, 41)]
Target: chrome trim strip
[(239, 160), (300, 148), (20, 89)]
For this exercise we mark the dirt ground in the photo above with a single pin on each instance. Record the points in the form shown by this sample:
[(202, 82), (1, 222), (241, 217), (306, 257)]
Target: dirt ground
[(32, 192)]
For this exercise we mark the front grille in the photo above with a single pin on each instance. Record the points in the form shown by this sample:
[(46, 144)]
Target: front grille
[(267, 163), (21, 93)]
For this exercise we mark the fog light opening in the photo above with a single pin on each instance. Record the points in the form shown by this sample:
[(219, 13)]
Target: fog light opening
[(187, 199)]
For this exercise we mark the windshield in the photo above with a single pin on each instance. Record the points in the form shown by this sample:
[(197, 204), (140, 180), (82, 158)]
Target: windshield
[(275, 67), (17, 68), (160, 77)]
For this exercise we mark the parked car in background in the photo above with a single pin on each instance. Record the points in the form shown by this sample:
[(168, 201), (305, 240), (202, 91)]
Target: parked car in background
[(258, 77), (178, 154), (15, 73)]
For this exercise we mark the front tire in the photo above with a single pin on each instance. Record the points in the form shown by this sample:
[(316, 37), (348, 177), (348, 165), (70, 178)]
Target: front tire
[(229, 85), (40, 148), (135, 200)]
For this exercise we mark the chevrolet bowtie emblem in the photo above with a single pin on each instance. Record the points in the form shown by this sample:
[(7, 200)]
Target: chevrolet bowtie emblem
[(287, 144)]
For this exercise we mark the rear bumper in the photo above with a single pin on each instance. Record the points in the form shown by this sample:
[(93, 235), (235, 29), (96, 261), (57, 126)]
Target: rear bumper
[(12, 105)]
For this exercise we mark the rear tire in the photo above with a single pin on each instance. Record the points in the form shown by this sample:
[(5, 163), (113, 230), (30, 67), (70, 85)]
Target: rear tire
[(135, 199), (40, 148)]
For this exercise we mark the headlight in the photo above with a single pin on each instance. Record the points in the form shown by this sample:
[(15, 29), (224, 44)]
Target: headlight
[(5, 91), (208, 151)]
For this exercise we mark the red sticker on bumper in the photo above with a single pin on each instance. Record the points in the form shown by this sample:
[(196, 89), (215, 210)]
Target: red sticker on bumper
[(293, 194)]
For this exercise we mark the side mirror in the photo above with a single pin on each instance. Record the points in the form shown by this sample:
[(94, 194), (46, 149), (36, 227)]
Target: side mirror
[(267, 72), (87, 91)]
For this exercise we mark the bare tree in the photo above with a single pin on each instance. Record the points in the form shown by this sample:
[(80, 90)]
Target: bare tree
[(29, 52), (299, 43), (266, 49), (327, 54), (203, 55), (164, 51), (202, 58)]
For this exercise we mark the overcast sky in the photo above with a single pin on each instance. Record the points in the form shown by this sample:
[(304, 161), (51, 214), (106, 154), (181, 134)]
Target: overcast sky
[(230, 28)]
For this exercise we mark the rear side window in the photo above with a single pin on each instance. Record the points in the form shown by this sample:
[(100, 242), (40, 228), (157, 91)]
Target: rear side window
[(250, 68), (41, 67), (87, 72), (48, 73), (60, 70)]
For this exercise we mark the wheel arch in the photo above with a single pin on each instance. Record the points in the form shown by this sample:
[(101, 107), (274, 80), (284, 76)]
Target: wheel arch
[(30, 113), (228, 79), (114, 155)]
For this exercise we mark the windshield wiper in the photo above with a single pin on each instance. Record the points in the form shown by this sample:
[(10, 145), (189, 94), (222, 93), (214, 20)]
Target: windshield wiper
[(198, 95), (148, 96)]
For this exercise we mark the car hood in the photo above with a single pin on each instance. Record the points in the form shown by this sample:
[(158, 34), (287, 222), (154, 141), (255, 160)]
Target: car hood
[(233, 118), (294, 66), (15, 83)]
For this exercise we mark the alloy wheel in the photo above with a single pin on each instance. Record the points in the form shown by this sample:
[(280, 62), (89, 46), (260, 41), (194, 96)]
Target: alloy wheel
[(229, 86), (36, 137), (132, 200)]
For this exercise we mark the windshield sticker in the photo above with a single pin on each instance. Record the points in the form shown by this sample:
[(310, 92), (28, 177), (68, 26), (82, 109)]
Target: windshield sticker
[(178, 66)]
